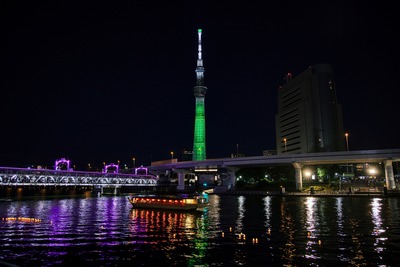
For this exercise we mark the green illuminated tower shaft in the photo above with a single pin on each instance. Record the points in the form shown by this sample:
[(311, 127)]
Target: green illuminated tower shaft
[(199, 142)]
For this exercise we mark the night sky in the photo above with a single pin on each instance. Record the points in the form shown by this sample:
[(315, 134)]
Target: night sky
[(102, 81)]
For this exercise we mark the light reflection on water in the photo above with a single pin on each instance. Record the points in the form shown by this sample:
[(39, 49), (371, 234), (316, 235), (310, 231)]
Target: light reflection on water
[(233, 231)]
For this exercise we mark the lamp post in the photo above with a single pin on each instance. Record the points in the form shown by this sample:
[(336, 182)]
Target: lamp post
[(172, 155), (284, 140), (373, 172), (133, 160), (347, 147)]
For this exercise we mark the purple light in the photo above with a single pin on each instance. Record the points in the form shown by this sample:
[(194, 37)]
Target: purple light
[(141, 171), (62, 164), (111, 168)]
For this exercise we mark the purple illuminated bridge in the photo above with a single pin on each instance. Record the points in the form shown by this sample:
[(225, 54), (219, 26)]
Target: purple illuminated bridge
[(63, 175)]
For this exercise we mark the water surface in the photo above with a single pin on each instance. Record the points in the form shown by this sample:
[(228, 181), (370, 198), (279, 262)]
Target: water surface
[(233, 231)]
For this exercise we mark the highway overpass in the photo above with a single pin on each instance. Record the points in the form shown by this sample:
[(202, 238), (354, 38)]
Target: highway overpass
[(298, 161)]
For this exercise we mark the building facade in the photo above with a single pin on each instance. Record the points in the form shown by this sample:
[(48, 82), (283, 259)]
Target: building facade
[(309, 119)]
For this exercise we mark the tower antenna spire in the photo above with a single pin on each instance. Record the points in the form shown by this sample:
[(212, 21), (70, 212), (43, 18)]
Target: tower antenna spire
[(200, 68), (199, 91)]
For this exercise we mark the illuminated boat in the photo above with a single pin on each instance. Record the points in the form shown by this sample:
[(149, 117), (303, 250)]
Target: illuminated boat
[(174, 202)]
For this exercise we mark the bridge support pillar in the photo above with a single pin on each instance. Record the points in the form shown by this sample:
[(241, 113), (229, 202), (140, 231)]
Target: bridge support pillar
[(181, 181), (231, 181), (298, 175), (390, 184)]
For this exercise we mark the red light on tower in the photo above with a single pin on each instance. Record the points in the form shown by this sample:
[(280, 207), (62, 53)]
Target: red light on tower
[(288, 76)]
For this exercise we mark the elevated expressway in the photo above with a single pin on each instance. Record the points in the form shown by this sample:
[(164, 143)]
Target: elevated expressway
[(298, 161)]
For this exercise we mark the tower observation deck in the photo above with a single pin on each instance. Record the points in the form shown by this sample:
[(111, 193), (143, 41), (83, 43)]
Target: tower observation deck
[(199, 91)]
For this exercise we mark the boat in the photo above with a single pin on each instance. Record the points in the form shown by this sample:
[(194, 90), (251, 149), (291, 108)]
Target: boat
[(172, 202)]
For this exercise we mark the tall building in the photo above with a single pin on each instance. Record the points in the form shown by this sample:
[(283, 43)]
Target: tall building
[(199, 142), (309, 119)]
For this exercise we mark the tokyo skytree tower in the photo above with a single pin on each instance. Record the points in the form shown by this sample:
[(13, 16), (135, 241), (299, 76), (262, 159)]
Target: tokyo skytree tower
[(199, 91)]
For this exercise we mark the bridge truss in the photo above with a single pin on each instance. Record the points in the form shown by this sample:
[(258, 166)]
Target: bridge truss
[(43, 177)]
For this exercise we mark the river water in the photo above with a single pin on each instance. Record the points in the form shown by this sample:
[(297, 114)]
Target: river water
[(232, 231)]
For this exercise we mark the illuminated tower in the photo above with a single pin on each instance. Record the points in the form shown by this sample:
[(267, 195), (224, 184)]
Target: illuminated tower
[(199, 91)]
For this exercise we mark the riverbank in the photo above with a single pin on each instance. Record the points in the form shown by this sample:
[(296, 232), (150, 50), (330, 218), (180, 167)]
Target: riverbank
[(314, 194)]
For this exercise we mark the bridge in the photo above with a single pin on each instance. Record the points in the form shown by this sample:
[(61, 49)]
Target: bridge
[(224, 169), (27, 177), (221, 171)]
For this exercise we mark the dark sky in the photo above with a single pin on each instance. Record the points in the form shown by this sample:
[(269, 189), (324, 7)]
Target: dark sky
[(102, 81)]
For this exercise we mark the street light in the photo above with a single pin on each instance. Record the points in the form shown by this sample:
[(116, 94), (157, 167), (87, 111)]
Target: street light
[(372, 171), (172, 154), (133, 159), (284, 140), (347, 147), (307, 173)]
